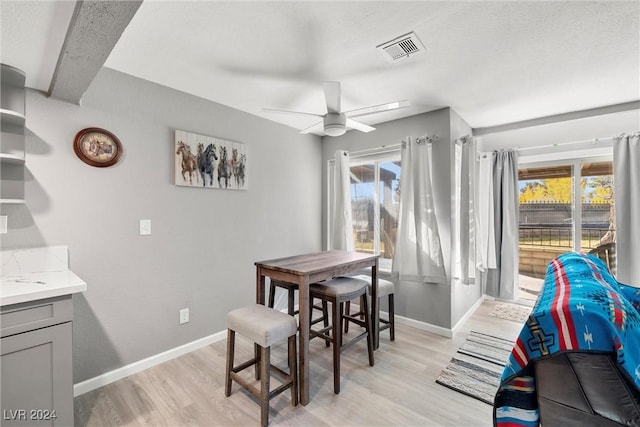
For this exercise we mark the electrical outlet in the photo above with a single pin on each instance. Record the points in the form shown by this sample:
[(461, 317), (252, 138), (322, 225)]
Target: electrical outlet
[(3, 224), (184, 316)]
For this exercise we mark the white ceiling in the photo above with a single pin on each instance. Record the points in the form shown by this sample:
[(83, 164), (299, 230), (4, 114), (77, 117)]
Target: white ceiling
[(492, 62)]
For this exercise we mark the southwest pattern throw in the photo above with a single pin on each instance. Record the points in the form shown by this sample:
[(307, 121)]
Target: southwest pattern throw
[(581, 308)]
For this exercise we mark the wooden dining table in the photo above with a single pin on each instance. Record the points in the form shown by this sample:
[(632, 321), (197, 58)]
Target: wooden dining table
[(311, 268)]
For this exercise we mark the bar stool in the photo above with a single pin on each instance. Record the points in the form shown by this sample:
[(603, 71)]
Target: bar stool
[(338, 291), (291, 289), (386, 288), (265, 327)]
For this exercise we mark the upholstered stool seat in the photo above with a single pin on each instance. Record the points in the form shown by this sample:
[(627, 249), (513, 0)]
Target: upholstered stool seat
[(265, 327), (386, 288), (338, 291)]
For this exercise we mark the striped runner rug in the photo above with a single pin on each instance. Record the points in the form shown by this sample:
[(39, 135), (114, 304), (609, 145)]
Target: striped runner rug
[(476, 368)]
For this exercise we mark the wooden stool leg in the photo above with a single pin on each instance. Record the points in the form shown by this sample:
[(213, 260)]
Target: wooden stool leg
[(347, 312), (392, 316), (293, 369), (291, 301), (265, 372), (325, 313), (336, 334), (325, 316), (367, 325), (257, 355), (272, 294), (231, 341)]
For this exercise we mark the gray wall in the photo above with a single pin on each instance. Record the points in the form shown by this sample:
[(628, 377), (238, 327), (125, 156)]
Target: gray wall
[(429, 303), (463, 296), (204, 241)]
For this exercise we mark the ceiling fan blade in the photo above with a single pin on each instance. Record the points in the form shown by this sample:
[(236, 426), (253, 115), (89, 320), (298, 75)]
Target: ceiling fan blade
[(300, 113), (332, 96), (359, 126), (318, 127), (377, 108)]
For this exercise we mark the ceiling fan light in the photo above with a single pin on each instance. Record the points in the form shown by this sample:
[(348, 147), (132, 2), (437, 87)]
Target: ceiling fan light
[(334, 130), (335, 124)]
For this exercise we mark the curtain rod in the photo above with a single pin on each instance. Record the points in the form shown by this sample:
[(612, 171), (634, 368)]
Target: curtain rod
[(464, 139), (392, 147), (426, 139), (381, 149), (422, 140), (559, 144)]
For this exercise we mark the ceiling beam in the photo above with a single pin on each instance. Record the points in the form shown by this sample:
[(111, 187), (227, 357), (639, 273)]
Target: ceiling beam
[(609, 109), (95, 28)]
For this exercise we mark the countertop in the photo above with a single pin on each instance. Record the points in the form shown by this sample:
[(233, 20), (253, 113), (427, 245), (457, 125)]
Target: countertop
[(34, 274)]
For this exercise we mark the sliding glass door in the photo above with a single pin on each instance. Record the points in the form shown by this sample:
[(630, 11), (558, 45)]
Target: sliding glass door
[(564, 206), (375, 204), (375, 192)]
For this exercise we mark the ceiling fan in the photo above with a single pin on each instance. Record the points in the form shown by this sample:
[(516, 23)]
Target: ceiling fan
[(336, 122)]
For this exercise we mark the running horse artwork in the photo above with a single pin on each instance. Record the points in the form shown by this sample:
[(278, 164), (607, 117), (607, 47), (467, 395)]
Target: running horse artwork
[(223, 168), (219, 163), (206, 164), (238, 164), (240, 172), (189, 163)]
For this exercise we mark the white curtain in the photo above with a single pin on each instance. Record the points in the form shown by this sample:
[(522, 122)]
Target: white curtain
[(485, 235), (342, 222), (464, 223), (502, 282), (418, 254), (626, 174)]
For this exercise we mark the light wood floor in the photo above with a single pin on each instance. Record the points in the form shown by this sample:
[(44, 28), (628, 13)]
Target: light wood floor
[(400, 390)]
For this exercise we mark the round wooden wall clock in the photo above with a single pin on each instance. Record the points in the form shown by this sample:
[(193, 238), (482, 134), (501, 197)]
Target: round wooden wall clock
[(97, 147)]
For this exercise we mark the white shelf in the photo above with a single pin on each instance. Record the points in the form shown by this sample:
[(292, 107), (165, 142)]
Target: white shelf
[(10, 117), (12, 123), (12, 158), (12, 76)]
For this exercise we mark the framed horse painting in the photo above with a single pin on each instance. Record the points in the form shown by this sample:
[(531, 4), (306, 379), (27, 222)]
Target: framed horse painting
[(209, 162)]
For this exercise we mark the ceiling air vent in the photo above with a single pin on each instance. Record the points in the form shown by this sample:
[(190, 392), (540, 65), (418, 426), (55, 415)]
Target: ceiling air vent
[(401, 47)]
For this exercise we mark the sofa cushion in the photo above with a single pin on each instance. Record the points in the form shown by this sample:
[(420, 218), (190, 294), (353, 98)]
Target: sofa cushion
[(585, 389)]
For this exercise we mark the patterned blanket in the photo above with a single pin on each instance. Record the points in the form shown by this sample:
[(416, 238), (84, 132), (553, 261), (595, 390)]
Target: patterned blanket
[(581, 308)]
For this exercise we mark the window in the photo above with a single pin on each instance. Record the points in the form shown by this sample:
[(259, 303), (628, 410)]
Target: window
[(375, 204)]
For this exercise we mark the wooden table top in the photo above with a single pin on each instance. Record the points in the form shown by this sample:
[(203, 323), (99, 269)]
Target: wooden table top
[(314, 262)]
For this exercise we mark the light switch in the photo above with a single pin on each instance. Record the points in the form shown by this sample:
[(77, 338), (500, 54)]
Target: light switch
[(3, 224), (145, 227)]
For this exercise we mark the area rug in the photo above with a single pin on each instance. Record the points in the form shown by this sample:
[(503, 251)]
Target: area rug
[(513, 312), (476, 368)]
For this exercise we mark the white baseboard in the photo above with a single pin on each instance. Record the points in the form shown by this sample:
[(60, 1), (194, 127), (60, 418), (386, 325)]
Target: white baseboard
[(141, 365), (467, 315), (439, 330), (423, 326)]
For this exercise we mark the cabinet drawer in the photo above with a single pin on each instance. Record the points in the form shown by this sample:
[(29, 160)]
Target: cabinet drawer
[(23, 317)]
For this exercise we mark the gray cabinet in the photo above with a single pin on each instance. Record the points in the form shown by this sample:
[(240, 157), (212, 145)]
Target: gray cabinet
[(36, 363), (12, 126)]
